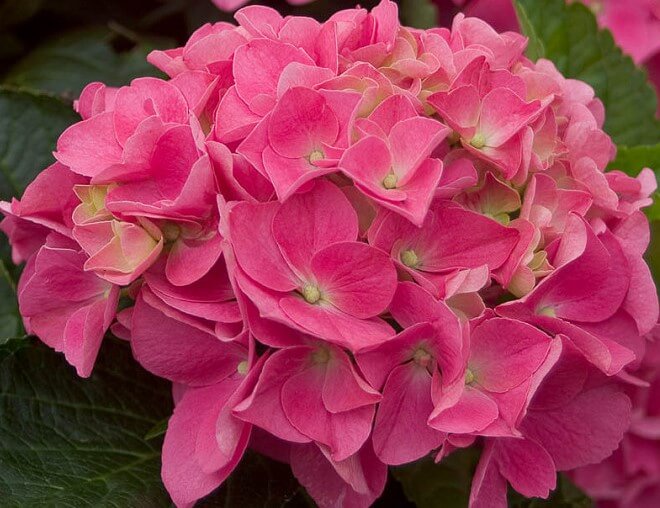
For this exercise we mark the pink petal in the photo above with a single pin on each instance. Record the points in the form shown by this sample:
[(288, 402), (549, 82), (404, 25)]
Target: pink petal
[(343, 388), (504, 353), (356, 278), (411, 142), (263, 407), (301, 123), (169, 348), (335, 326), (310, 221), (255, 248), (503, 114), (473, 412), (90, 146), (358, 481), (401, 433)]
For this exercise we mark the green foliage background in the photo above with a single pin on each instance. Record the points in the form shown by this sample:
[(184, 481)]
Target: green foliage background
[(71, 442)]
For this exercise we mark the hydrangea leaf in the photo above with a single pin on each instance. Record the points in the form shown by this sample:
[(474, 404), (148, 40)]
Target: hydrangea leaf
[(632, 159), (419, 13), (10, 321), (66, 441), (259, 482), (444, 485), (15, 11), (67, 63), (30, 124), (569, 36)]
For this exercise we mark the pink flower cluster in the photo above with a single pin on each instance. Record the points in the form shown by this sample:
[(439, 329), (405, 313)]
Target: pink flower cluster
[(349, 245), (232, 5), (630, 478), (635, 24)]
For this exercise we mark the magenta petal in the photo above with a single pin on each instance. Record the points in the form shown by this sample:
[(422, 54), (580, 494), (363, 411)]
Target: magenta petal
[(504, 353), (189, 260), (412, 141), (474, 411), (310, 221), (356, 278), (182, 473), (263, 406), (358, 481), (169, 348), (528, 467), (335, 326), (344, 433), (582, 431), (301, 122), (401, 433), (254, 246), (88, 147), (289, 175), (85, 330), (343, 388), (489, 489), (368, 162)]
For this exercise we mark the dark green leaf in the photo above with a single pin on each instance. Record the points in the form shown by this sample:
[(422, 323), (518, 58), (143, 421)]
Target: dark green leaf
[(568, 35), (10, 321), (67, 63), (15, 11), (444, 485), (70, 442), (157, 430), (419, 13), (9, 346), (259, 482), (634, 158), (30, 124)]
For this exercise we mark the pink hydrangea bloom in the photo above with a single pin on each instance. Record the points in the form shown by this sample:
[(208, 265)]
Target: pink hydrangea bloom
[(232, 5), (635, 24), (352, 244)]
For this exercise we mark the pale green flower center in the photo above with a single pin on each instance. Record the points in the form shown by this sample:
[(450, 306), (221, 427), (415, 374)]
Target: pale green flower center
[(547, 311), (390, 181), (242, 368), (409, 258), (311, 293), (422, 357), (321, 355), (478, 141), (316, 155), (469, 377)]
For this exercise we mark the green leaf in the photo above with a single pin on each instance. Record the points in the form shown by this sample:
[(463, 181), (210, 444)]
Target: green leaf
[(9, 346), (10, 321), (30, 124), (568, 35), (444, 485), (15, 11), (157, 430), (67, 63), (66, 441), (259, 482), (419, 13), (633, 159), (653, 252)]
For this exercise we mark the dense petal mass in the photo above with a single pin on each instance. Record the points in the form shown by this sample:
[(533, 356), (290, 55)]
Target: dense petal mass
[(351, 244)]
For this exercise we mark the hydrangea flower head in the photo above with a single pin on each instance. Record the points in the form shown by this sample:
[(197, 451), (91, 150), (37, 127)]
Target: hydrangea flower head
[(355, 243)]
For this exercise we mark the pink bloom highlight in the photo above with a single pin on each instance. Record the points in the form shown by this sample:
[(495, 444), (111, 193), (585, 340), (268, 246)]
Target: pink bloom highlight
[(351, 245)]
